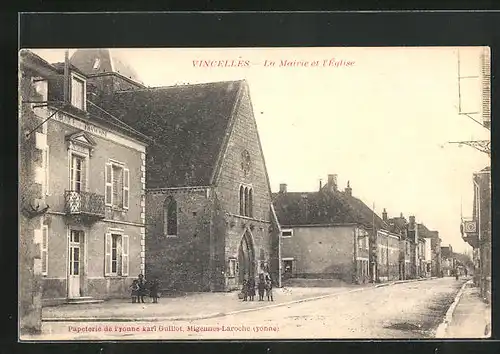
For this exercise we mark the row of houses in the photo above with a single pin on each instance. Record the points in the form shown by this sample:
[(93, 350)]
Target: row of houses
[(332, 234), (117, 179)]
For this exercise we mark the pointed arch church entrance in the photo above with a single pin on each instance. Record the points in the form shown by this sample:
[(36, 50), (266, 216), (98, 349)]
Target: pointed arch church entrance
[(246, 257)]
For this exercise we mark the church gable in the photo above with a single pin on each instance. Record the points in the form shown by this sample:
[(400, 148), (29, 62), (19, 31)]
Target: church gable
[(242, 174)]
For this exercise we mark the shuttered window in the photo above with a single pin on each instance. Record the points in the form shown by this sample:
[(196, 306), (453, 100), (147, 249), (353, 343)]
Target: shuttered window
[(45, 249), (78, 172), (117, 186), (116, 261), (125, 258), (107, 255), (126, 182), (109, 185)]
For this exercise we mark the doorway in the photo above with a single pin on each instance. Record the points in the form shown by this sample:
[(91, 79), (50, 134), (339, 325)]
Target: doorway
[(75, 266), (246, 258)]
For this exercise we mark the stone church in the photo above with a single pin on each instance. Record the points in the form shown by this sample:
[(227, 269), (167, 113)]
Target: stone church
[(210, 222)]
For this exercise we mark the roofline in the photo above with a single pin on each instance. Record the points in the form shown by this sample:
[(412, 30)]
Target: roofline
[(225, 144), (320, 225), (147, 88), (27, 55), (169, 189), (90, 119), (258, 140), (120, 76)]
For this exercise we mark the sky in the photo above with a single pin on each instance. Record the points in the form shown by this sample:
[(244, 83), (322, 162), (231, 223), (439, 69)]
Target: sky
[(380, 118)]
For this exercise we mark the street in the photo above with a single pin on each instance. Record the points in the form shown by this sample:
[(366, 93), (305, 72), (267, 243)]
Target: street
[(407, 310)]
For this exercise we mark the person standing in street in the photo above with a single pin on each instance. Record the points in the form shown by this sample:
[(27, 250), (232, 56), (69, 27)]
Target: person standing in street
[(142, 288), (251, 288)]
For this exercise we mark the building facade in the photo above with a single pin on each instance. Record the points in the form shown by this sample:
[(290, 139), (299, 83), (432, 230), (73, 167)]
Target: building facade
[(209, 221), (477, 231), (327, 234), (92, 175), (33, 75)]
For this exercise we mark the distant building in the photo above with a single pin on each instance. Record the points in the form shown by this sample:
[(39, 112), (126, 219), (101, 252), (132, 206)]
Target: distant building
[(447, 261), (432, 251), (329, 234)]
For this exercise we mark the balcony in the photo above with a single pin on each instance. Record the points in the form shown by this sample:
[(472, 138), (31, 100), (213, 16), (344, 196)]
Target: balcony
[(84, 206)]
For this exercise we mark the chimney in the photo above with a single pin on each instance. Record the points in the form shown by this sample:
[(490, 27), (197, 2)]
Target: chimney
[(348, 189), (384, 215), (332, 182), (283, 188), (412, 219), (320, 184), (66, 84)]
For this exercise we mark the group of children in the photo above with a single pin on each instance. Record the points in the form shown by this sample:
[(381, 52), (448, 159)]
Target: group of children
[(264, 286), (140, 288)]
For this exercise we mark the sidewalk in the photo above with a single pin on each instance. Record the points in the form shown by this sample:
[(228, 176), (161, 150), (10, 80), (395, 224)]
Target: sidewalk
[(193, 306), (471, 317), (189, 307)]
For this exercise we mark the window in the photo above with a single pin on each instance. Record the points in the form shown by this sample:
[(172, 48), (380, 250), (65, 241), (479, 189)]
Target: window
[(45, 164), (288, 267), (367, 242), (78, 173), (287, 233), (246, 201), (117, 192), (242, 200), (97, 64), (45, 249), (116, 255), (232, 267), (78, 92), (170, 220)]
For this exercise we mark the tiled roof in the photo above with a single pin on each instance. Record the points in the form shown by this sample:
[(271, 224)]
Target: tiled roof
[(188, 123), (323, 207)]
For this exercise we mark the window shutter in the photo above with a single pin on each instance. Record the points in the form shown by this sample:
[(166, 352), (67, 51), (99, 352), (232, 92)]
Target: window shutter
[(107, 255), (46, 165), (125, 255), (126, 184), (109, 184), (45, 248)]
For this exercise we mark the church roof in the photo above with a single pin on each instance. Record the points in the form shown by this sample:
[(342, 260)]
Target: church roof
[(100, 61), (190, 125)]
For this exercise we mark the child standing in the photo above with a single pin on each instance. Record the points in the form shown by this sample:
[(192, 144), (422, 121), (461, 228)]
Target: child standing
[(154, 290), (269, 290), (134, 291), (251, 288), (261, 287), (244, 290)]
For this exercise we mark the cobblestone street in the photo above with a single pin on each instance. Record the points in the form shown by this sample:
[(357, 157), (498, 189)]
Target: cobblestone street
[(408, 310)]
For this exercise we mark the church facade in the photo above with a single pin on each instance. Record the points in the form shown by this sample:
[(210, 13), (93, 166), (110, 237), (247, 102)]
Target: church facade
[(209, 217)]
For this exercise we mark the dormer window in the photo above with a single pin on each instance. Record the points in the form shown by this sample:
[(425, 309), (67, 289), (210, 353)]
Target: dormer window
[(97, 64), (78, 92)]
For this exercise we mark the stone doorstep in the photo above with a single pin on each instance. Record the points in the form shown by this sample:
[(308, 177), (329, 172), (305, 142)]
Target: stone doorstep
[(218, 314)]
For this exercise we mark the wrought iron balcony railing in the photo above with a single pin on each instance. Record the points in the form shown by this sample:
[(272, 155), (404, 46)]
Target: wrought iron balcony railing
[(85, 204)]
